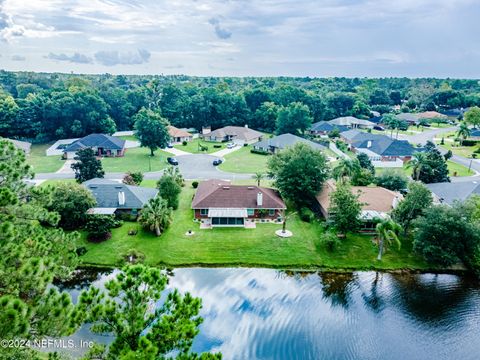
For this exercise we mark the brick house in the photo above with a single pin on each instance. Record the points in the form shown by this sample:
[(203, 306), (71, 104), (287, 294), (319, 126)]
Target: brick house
[(101, 144), (218, 203)]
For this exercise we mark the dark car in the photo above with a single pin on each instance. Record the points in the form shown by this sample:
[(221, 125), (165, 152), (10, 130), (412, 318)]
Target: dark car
[(172, 161), (378, 127), (217, 162)]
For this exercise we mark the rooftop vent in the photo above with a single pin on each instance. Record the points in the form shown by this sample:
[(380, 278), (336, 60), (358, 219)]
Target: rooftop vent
[(121, 198), (251, 188), (259, 199), (369, 144), (226, 188)]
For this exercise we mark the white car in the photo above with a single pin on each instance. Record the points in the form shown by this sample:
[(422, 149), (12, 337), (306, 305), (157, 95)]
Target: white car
[(230, 145)]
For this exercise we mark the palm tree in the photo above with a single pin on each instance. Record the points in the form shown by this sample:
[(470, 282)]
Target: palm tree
[(156, 215), (387, 232), (416, 164), (463, 132), (258, 176), (346, 168)]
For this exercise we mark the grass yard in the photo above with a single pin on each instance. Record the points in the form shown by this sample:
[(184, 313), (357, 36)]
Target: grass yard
[(42, 163), (192, 146), (243, 161), (136, 159), (242, 247), (452, 167), (128, 137), (465, 151)]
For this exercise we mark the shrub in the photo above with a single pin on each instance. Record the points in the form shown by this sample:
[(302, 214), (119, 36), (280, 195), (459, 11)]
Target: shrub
[(133, 256), (306, 215), (184, 143), (194, 184), (331, 241), (98, 227), (469, 142), (133, 178), (82, 250), (260, 152), (217, 146)]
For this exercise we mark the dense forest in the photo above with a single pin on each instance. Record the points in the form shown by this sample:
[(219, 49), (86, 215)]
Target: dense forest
[(45, 106)]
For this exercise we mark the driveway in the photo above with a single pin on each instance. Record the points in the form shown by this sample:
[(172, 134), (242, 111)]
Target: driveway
[(223, 152), (199, 166), (66, 167), (176, 152)]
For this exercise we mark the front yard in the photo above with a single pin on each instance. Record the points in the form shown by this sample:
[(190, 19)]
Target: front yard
[(453, 168), (243, 161), (40, 162), (242, 247), (193, 146), (136, 159)]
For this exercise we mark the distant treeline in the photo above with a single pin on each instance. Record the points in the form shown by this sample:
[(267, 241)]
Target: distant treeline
[(42, 106)]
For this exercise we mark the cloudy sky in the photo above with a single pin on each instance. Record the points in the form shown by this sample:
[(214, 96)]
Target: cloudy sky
[(243, 37)]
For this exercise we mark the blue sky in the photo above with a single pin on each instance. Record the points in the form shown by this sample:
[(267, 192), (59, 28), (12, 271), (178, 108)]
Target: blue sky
[(414, 38)]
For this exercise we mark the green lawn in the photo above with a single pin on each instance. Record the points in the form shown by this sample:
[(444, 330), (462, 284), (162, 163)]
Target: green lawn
[(465, 151), (242, 247), (128, 137), (136, 159), (192, 146), (243, 161), (42, 163), (452, 167)]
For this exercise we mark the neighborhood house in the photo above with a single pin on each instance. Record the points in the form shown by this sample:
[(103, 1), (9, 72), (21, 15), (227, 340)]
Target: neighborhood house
[(116, 198), (325, 128), (352, 122), (218, 203), (377, 202), (101, 144), (178, 135), (379, 148), (236, 134), (280, 142), (448, 193), (22, 145)]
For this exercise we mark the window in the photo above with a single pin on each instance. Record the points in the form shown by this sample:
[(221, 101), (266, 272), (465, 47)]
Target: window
[(204, 212), (250, 212), (271, 212)]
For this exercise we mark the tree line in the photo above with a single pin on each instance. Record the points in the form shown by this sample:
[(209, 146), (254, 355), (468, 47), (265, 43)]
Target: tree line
[(42, 107)]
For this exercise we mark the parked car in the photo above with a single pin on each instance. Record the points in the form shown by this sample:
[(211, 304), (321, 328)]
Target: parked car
[(169, 145), (379, 128), (217, 162), (172, 161), (230, 145)]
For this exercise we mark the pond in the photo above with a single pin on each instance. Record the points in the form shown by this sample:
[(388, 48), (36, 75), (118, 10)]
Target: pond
[(270, 314)]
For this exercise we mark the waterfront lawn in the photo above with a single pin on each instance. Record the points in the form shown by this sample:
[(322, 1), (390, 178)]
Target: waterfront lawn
[(40, 162), (243, 161), (136, 159), (241, 247), (192, 146)]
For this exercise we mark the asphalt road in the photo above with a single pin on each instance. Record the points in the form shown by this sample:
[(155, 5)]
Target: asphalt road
[(192, 167)]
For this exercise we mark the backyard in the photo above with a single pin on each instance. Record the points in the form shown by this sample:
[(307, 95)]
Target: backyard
[(193, 146), (40, 162), (242, 247)]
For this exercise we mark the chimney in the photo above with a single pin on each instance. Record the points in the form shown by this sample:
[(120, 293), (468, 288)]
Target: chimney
[(369, 144), (246, 125), (259, 199), (121, 198)]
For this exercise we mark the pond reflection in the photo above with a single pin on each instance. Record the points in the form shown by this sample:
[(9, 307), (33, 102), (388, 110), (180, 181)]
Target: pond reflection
[(269, 314)]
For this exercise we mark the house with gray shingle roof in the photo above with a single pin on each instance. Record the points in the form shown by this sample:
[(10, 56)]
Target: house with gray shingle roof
[(325, 128), (237, 134), (114, 197), (22, 145), (379, 148), (101, 144), (283, 141), (448, 193), (352, 122)]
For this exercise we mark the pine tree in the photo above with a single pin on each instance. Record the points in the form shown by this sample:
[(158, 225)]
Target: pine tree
[(87, 166)]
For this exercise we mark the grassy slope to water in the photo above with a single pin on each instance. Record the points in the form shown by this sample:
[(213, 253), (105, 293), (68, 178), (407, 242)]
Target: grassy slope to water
[(243, 247)]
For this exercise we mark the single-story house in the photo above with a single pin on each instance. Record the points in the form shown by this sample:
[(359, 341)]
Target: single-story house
[(239, 135), (352, 122), (101, 144), (283, 141), (456, 113), (178, 135), (379, 148), (22, 145), (325, 127), (429, 115), (410, 118), (377, 202), (114, 197), (474, 134), (218, 203), (448, 193)]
